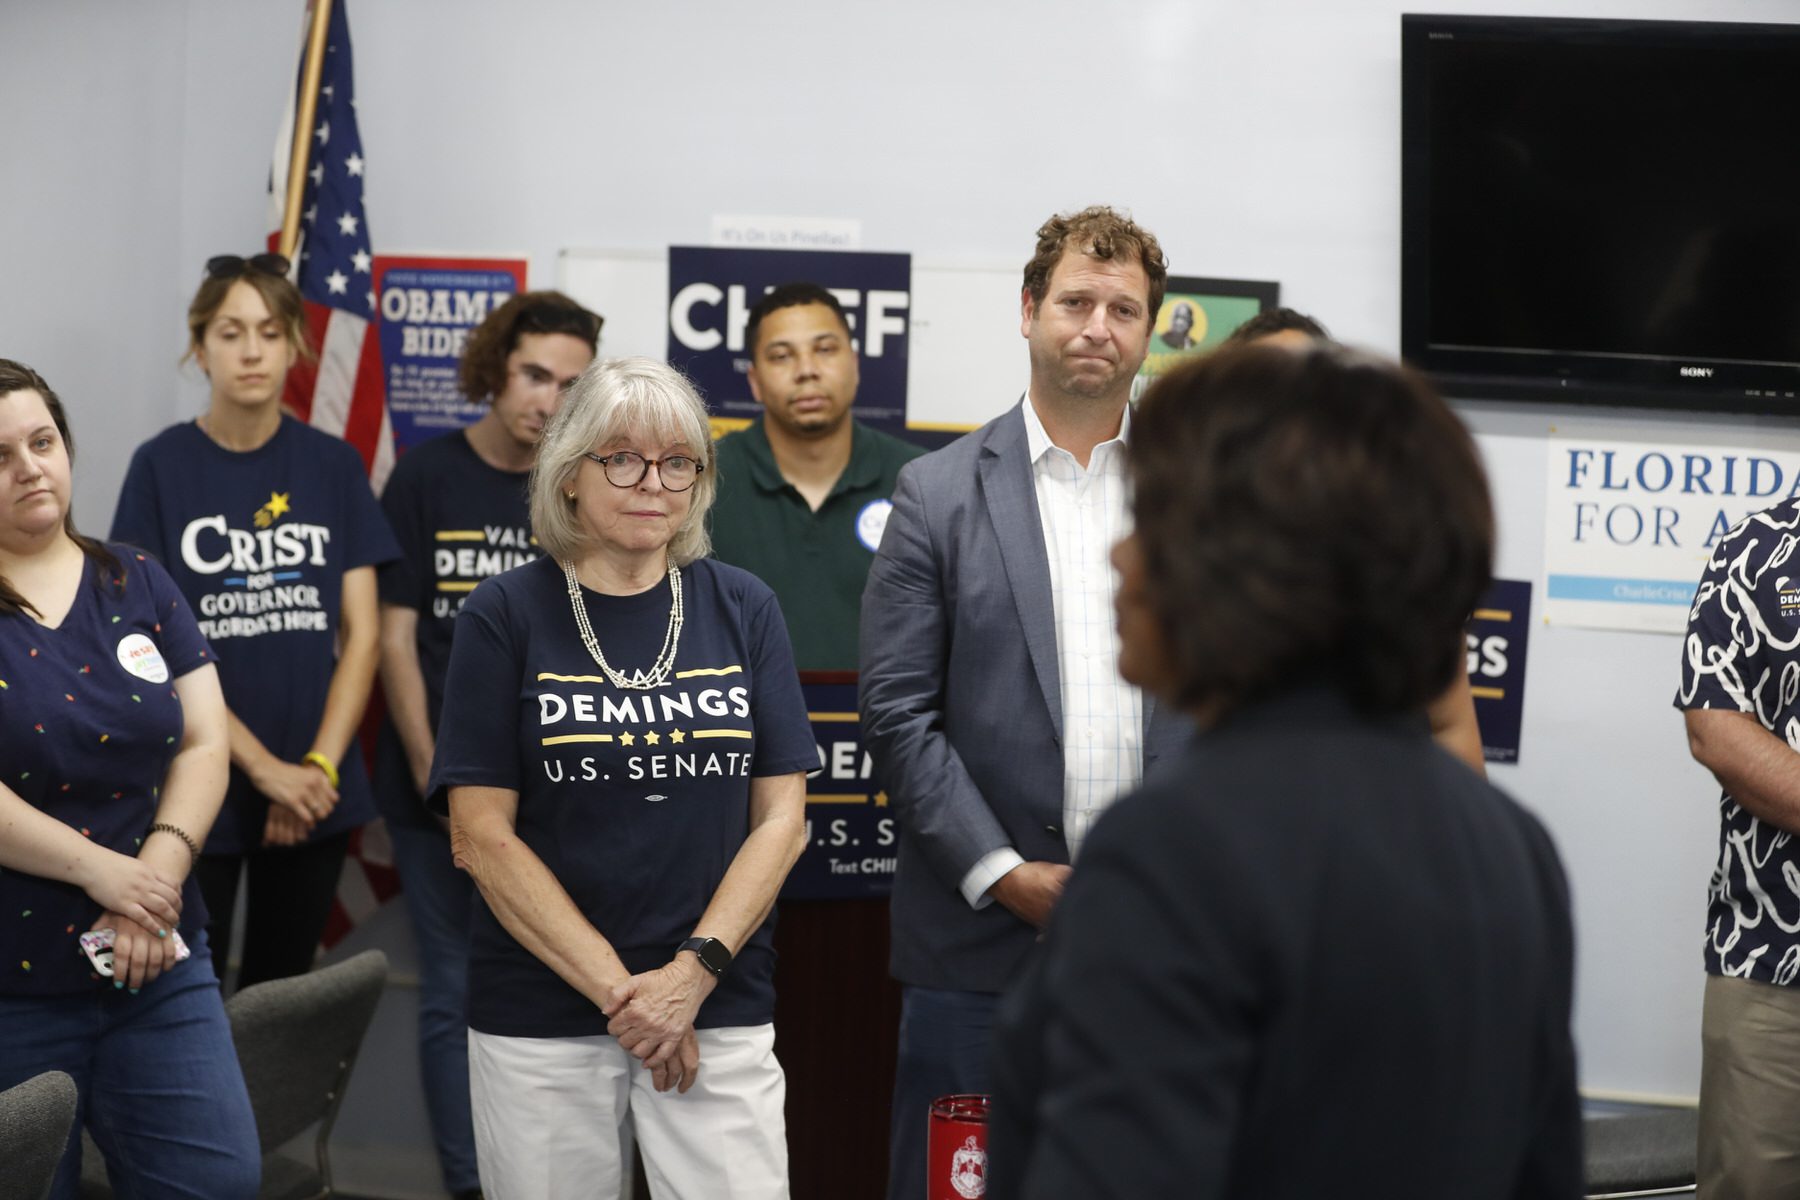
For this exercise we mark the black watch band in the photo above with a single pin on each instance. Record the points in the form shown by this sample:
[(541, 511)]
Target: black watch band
[(710, 951)]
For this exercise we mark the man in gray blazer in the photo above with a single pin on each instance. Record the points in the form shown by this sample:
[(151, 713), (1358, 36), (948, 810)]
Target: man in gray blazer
[(991, 699)]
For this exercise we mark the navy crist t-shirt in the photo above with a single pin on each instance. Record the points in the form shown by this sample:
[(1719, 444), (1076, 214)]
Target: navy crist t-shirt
[(636, 801), (89, 722), (259, 542)]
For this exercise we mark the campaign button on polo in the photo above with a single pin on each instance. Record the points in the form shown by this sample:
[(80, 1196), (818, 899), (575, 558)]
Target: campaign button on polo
[(872, 521)]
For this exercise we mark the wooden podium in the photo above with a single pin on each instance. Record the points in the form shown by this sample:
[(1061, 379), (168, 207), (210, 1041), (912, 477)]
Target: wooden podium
[(837, 1011)]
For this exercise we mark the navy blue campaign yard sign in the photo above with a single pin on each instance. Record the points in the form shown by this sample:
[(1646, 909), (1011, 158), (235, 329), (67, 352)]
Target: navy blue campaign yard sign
[(711, 293), (1497, 634), (849, 827)]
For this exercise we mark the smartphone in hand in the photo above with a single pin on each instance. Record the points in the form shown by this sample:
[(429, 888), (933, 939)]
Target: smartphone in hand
[(97, 944)]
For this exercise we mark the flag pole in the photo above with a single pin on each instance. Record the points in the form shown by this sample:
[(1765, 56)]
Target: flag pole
[(303, 122)]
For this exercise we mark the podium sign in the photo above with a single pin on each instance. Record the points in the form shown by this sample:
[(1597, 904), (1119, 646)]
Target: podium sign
[(850, 838)]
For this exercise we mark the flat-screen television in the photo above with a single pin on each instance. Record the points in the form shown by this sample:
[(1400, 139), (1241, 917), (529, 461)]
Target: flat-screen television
[(1602, 211)]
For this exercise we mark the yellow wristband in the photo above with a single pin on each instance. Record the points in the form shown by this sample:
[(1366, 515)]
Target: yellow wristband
[(324, 764)]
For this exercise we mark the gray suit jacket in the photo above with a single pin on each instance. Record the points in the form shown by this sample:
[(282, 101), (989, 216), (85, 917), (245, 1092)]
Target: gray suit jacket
[(961, 700)]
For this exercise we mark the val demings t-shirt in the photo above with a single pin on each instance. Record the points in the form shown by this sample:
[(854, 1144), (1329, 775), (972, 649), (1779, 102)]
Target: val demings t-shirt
[(89, 722), (636, 801), (458, 521), (259, 543)]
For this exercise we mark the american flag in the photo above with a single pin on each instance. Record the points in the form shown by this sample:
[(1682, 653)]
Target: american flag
[(344, 394)]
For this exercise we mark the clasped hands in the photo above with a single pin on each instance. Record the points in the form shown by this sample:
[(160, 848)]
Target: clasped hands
[(652, 1015), (142, 906), (301, 797), (1030, 891)]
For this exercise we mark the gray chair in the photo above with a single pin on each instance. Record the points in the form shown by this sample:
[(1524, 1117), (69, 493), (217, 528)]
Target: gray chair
[(35, 1117), (1641, 1153), (296, 1041)]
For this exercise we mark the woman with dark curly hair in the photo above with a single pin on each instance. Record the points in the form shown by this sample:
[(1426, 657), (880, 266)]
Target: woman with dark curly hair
[(1318, 948), (1452, 711)]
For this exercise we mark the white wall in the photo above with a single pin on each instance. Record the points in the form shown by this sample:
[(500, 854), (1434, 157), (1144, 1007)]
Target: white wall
[(1258, 140)]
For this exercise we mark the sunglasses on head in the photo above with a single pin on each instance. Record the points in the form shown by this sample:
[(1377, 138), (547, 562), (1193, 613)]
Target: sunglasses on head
[(230, 266)]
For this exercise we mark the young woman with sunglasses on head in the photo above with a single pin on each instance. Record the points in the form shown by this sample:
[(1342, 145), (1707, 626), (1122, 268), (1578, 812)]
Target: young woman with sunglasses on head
[(272, 533), (112, 767)]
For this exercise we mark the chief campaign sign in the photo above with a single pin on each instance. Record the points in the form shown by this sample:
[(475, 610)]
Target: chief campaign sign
[(1628, 526), (427, 307), (711, 293)]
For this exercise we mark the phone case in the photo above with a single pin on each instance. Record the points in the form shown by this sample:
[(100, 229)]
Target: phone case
[(97, 944)]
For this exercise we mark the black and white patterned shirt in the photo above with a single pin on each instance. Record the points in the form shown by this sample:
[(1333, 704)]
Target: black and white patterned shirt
[(1742, 652)]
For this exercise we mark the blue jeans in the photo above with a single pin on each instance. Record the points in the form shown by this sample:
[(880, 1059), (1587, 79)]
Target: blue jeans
[(158, 1082), (945, 1040), (437, 899)]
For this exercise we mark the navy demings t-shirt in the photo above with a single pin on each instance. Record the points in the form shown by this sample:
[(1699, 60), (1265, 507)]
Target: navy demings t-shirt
[(636, 801)]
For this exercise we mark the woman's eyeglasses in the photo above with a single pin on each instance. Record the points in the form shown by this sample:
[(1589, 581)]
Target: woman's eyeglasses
[(627, 468), (230, 266)]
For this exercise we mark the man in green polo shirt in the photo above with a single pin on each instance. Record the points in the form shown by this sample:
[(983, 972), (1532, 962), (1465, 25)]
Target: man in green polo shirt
[(803, 491)]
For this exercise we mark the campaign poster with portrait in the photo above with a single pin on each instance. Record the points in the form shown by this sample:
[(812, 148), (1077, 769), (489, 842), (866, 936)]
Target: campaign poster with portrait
[(426, 307), (712, 290), (1197, 314)]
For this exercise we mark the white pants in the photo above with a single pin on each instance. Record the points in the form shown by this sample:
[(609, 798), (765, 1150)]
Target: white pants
[(552, 1116)]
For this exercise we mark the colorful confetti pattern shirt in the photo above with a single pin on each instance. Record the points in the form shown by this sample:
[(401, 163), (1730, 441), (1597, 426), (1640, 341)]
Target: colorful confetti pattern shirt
[(89, 722)]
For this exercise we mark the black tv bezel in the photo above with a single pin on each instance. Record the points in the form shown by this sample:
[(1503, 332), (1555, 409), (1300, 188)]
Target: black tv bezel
[(1598, 377)]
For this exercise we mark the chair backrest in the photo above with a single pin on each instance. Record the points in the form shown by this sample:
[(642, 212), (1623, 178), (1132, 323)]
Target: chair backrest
[(35, 1117), (297, 1040), (1641, 1153)]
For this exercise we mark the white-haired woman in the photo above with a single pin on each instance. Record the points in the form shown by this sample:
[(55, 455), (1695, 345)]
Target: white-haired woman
[(623, 748)]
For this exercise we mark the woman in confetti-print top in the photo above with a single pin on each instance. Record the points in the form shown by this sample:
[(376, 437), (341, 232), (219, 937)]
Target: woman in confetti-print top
[(113, 760)]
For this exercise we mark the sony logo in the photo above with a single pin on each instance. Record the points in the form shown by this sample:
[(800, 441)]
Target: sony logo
[(1696, 372)]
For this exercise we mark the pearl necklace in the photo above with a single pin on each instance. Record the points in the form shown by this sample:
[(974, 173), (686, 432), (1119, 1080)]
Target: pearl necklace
[(639, 681)]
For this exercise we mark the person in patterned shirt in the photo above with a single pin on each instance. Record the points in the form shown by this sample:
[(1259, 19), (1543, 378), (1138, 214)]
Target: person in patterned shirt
[(1740, 665)]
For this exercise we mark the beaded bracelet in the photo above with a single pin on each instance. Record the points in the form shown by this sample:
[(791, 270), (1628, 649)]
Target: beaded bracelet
[(178, 831), (324, 764)]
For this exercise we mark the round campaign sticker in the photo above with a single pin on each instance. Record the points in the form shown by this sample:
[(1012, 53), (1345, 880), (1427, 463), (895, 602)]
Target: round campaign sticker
[(871, 521), (139, 655)]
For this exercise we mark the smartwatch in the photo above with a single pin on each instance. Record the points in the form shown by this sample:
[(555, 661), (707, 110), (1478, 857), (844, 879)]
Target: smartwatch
[(710, 951)]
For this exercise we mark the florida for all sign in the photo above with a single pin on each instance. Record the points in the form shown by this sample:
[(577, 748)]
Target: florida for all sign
[(1628, 526)]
